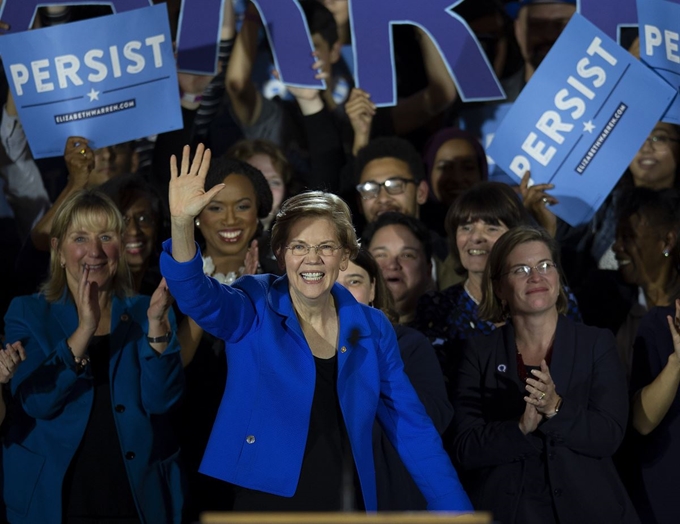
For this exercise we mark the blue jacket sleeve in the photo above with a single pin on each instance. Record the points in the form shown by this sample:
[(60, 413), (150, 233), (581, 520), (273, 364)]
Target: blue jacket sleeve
[(162, 375), (45, 379), (411, 432), (223, 311)]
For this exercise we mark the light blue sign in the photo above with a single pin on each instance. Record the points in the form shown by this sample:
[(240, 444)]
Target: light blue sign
[(580, 120), (109, 79), (483, 121), (660, 45)]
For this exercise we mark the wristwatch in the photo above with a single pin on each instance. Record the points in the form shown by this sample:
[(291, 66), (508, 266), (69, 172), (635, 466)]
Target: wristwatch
[(158, 340)]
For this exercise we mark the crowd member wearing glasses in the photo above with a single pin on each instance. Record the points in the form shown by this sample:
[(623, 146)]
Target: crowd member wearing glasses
[(475, 222), (540, 405), (310, 369), (144, 215), (655, 166), (392, 178)]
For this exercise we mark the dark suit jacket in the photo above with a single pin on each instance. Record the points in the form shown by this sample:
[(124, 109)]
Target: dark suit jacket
[(575, 445)]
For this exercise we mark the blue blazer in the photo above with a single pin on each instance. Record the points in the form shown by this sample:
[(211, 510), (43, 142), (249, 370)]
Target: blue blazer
[(258, 439), (56, 402)]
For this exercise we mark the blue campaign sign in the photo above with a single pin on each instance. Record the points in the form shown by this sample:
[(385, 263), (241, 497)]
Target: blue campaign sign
[(109, 79), (609, 15), (660, 45), (464, 58), (581, 118)]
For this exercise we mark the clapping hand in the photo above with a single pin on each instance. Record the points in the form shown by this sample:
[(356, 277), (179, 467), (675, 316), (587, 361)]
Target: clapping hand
[(541, 389), (160, 303), (10, 358), (252, 260), (674, 325), (187, 195), (87, 303)]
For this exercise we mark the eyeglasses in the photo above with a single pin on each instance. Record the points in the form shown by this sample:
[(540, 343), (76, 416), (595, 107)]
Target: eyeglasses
[(393, 186), (325, 250), (542, 268), (142, 220), (660, 141)]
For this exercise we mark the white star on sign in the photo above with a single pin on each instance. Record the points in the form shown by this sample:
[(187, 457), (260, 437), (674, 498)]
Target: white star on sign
[(94, 95), (588, 126)]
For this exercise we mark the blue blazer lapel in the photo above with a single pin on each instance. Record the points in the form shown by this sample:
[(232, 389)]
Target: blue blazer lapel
[(121, 320), (66, 315)]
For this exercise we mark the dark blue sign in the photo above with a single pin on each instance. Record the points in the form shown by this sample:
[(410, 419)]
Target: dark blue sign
[(110, 79)]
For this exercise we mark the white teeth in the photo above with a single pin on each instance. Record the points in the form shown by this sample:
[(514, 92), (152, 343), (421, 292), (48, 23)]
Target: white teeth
[(94, 267), (133, 245), (624, 262), (229, 234), (647, 162), (477, 252), (312, 276)]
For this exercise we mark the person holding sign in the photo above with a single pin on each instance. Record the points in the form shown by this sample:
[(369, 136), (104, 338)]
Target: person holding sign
[(310, 369), (540, 405)]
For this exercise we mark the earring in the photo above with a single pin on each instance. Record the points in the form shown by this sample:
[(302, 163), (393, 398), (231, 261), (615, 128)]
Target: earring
[(666, 253), (62, 265), (197, 222)]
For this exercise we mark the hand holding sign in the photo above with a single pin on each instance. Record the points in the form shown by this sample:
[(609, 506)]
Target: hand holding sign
[(537, 202), (79, 158)]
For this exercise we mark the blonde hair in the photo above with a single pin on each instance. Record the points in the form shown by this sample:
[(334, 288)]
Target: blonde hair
[(85, 208), (491, 307), (317, 204)]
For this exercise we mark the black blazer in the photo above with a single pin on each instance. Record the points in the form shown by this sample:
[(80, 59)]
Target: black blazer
[(576, 445)]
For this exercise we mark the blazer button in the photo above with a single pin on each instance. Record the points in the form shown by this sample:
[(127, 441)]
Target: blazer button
[(551, 456), (250, 439), (343, 349), (124, 317), (557, 492), (130, 455), (120, 408)]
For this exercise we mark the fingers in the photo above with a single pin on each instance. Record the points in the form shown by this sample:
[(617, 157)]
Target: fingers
[(204, 166), (186, 155), (173, 167)]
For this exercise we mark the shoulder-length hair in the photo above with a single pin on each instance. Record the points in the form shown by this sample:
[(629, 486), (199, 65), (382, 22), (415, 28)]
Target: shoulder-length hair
[(314, 204), (86, 208), (491, 308)]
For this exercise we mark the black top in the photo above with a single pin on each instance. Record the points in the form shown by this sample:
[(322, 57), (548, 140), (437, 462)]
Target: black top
[(324, 467), (96, 483)]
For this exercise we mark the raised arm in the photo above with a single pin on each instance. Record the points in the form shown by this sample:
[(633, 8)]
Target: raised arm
[(416, 110), (246, 100), (652, 402), (187, 198)]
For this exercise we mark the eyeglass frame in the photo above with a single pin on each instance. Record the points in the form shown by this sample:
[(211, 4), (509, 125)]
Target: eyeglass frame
[(384, 184), (549, 264), (316, 249), (655, 140), (137, 218)]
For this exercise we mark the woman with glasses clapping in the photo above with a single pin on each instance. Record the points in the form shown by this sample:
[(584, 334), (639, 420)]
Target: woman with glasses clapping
[(540, 404)]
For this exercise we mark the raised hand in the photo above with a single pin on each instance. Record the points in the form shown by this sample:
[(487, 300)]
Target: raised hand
[(160, 303), (79, 158), (360, 111), (87, 304), (674, 326), (541, 389), (252, 260), (536, 201), (10, 358), (187, 193)]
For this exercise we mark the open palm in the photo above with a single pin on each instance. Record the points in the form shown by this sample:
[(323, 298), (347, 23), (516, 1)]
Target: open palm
[(187, 193)]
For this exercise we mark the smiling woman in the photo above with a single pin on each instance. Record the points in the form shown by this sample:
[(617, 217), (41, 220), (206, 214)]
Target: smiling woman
[(93, 352), (522, 416), (310, 369)]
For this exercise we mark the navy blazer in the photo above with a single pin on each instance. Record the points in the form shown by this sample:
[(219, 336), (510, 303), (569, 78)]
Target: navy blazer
[(259, 436), (55, 403), (576, 444)]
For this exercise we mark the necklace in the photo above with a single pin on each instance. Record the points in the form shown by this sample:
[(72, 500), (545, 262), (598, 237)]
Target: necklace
[(228, 279), (467, 290)]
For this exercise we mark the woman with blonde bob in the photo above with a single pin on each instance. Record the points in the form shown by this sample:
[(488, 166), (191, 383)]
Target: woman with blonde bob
[(540, 404), (91, 441), (310, 368)]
